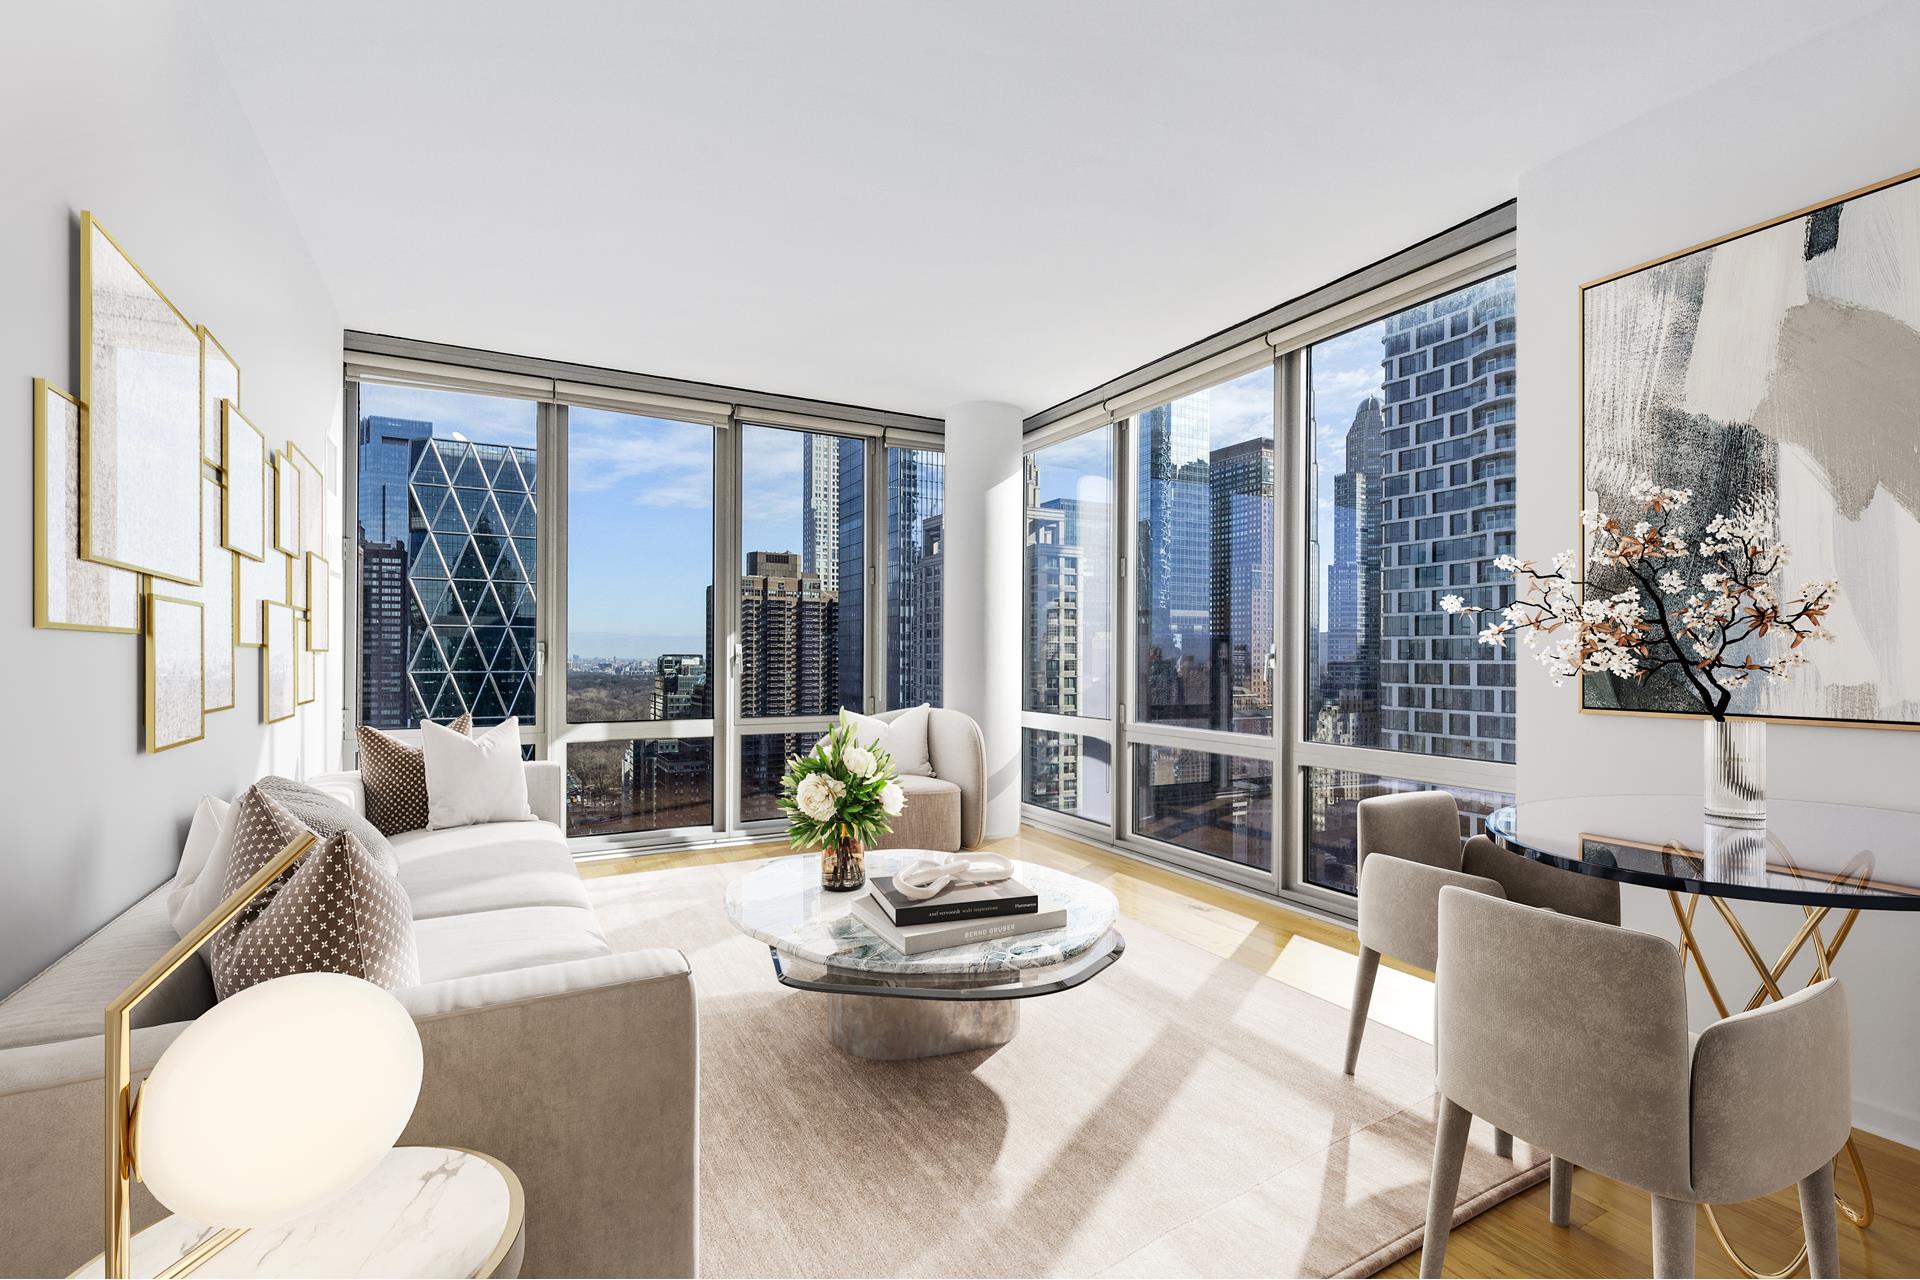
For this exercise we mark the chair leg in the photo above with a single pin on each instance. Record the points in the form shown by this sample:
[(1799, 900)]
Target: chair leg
[(1673, 1223), (1503, 1144), (1443, 1189), (1819, 1220), (1363, 977), (1559, 1192)]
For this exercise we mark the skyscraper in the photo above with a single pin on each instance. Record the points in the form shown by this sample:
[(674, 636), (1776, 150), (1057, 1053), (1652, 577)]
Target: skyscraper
[(916, 493), (820, 508), (1174, 538), (1053, 644), (1351, 676), (1447, 509), (680, 687), (851, 463), (386, 466), (383, 635), (1240, 583), (789, 639)]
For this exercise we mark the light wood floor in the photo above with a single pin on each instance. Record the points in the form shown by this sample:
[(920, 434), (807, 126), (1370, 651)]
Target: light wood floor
[(1611, 1231)]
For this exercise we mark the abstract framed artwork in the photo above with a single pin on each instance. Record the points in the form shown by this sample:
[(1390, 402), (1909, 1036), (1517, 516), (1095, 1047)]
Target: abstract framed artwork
[(286, 504), (243, 470), (175, 675), (69, 593), (313, 499), (215, 594), (140, 439), (277, 670), (319, 602), (1778, 367), (219, 383), (256, 582), (305, 683), (297, 581)]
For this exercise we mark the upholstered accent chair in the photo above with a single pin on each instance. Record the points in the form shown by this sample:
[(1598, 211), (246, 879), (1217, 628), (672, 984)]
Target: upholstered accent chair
[(1573, 1036), (947, 810)]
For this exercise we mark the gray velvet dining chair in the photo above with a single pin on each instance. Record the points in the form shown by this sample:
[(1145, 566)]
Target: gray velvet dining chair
[(1573, 1036)]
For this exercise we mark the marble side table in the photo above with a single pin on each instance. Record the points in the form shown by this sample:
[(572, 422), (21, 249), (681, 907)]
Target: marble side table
[(882, 1004), (424, 1211)]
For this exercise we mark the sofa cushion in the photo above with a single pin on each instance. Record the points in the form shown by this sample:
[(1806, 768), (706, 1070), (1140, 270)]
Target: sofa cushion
[(931, 819), (68, 1000), (393, 777), (326, 816), (901, 734), (497, 941), (487, 868)]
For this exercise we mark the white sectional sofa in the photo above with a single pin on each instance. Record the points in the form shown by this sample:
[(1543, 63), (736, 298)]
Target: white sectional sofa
[(574, 1064)]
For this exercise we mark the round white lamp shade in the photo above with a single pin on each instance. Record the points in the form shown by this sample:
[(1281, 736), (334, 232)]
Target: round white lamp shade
[(277, 1099)]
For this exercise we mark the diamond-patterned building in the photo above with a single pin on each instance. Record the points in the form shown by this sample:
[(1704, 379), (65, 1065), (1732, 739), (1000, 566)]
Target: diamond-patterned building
[(471, 563)]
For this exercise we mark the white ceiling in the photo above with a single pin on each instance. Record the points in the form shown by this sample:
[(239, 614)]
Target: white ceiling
[(907, 205)]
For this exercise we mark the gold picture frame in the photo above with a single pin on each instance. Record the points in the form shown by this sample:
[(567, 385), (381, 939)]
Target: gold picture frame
[(243, 473), (297, 581), (219, 383), (215, 594), (175, 671), (319, 602), (140, 381), (305, 681), (286, 504), (69, 593), (313, 499), (278, 674), (256, 582)]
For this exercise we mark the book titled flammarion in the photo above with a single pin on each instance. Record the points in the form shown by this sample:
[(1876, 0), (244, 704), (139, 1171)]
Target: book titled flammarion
[(960, 902), (913, 939)]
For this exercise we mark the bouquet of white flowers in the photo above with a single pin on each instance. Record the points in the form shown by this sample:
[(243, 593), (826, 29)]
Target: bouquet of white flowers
[(837, 799)]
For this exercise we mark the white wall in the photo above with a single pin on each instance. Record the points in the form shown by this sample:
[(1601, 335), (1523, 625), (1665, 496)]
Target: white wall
[(1838, 113), (121, 108), (984, 550)]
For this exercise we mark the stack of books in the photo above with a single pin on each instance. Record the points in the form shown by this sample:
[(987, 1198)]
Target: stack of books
[(955, 917)]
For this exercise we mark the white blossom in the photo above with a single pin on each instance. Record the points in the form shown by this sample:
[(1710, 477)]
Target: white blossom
[(860, 762), (892, 799), (1452, 604), (817, 796)]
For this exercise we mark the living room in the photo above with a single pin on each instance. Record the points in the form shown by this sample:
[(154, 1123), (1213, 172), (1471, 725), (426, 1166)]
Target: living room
[(946, 638)]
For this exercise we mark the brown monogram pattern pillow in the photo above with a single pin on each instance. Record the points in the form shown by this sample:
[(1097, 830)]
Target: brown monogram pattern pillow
[(336, 911), (393, 774)]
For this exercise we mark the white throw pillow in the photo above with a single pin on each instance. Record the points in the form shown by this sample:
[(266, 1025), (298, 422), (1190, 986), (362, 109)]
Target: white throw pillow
[(197, 886), (475, 779), (904, 737)]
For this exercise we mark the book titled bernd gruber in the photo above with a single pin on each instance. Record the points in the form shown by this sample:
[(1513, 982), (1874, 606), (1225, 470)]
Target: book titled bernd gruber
[(960, 902), (913, 939)]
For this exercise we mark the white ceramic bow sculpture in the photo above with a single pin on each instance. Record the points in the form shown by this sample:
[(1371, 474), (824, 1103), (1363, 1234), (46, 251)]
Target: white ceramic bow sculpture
[(926, 877)]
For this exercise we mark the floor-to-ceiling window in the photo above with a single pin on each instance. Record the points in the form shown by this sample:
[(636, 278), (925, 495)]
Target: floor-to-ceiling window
[(673, 596), (1068, 648), (1283, 530)]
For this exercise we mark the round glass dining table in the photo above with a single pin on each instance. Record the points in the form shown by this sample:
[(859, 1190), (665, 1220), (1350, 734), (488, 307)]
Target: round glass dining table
[(1822, 858)]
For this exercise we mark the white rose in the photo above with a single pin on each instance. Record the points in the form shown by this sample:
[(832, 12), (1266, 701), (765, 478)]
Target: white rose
[(892, 799), (860, 762), (815, 797)]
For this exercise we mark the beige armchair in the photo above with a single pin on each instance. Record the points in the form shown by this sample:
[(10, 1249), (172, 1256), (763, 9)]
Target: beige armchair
[(948, 811), (1573, 1035)]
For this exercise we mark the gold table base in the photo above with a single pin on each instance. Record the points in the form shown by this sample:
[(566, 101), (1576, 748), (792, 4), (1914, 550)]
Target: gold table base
[(1769, 989)]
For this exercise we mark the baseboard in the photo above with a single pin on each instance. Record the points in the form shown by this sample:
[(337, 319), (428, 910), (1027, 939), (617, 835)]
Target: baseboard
[(1894, 1125)]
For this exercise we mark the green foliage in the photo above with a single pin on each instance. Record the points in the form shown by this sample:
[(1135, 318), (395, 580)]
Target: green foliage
[(844, 803)]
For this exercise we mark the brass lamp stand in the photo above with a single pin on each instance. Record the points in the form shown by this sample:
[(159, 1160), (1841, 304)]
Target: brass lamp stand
[(123, 1155)]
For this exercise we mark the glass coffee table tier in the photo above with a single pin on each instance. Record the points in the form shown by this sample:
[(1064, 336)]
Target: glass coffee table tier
[(1807, 854), (813, 933)]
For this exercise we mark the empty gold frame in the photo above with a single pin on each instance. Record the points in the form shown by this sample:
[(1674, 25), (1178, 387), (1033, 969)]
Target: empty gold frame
[(175, 675), (286, 504), (244, 472), (140, 437), (219, 383), (256, 582), (215, 594), (305, 688), (278, 690), (319, 602), (69, 593), (313, 500)]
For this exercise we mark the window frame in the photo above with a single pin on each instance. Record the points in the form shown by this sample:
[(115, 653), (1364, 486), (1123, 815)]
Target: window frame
[(1287, 749)]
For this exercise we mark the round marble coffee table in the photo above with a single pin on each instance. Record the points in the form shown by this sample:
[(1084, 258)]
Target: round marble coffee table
[(423, 1211), (882, 1004)]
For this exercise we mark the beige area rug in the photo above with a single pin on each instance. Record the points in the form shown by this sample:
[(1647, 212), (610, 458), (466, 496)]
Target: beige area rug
[(1179, 1114)]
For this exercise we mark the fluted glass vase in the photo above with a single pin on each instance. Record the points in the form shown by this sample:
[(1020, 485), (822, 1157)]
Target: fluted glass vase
[(1736, 771), (843, 864)]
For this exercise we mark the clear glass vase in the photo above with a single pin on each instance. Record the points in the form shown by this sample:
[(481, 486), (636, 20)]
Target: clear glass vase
[(843, 864), (1736, 771)]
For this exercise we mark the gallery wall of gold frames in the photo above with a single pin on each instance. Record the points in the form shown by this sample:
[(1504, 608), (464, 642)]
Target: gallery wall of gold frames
[(161, 510)]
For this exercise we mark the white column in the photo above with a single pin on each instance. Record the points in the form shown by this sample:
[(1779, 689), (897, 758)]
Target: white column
[(980, 670)]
